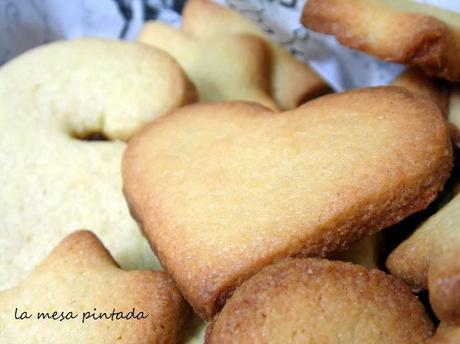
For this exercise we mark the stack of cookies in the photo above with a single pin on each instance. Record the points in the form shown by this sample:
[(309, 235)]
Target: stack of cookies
[(211, 153)]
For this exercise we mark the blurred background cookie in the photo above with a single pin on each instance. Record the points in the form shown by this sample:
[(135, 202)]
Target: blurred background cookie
[(430, 258), (445, 334), (223, 67), (431, 88), (405, 32), (293, 82), (454, 114)]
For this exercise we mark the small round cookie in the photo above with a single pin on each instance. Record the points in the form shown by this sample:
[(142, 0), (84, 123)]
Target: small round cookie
[(321, 301), (53, 179)]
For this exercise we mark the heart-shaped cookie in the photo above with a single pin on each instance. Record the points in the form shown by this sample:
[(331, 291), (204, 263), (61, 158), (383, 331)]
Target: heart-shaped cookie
[(224, 189)]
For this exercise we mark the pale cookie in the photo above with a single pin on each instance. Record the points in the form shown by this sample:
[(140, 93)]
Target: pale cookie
[(454, 109), (432, 89), (293, 82), (430, 258), (240, 187), (424, 86), (454, 115), (229, 67), (365, 252), (320, 301), (446, 334), (393, 30), (78, 294), (51, 181)]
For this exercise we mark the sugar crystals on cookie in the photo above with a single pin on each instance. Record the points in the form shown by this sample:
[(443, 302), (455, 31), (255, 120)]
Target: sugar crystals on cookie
[(241, 187)]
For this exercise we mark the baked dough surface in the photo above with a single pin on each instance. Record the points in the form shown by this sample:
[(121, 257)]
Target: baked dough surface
[(52, 181), (240, 187), (293, 82), (402, 31), (319, 301), (94, 300)]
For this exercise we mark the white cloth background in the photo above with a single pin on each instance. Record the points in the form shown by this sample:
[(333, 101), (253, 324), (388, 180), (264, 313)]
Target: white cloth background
[(27, 23)]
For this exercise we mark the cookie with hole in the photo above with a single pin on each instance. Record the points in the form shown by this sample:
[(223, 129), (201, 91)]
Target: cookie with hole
[(56, 99)]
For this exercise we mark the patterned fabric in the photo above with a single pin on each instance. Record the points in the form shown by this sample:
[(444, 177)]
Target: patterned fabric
[(29, 23)]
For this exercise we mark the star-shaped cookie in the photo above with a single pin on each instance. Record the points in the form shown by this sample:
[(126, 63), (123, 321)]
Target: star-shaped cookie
[(229, 67), (293, 82), (78, 294)]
